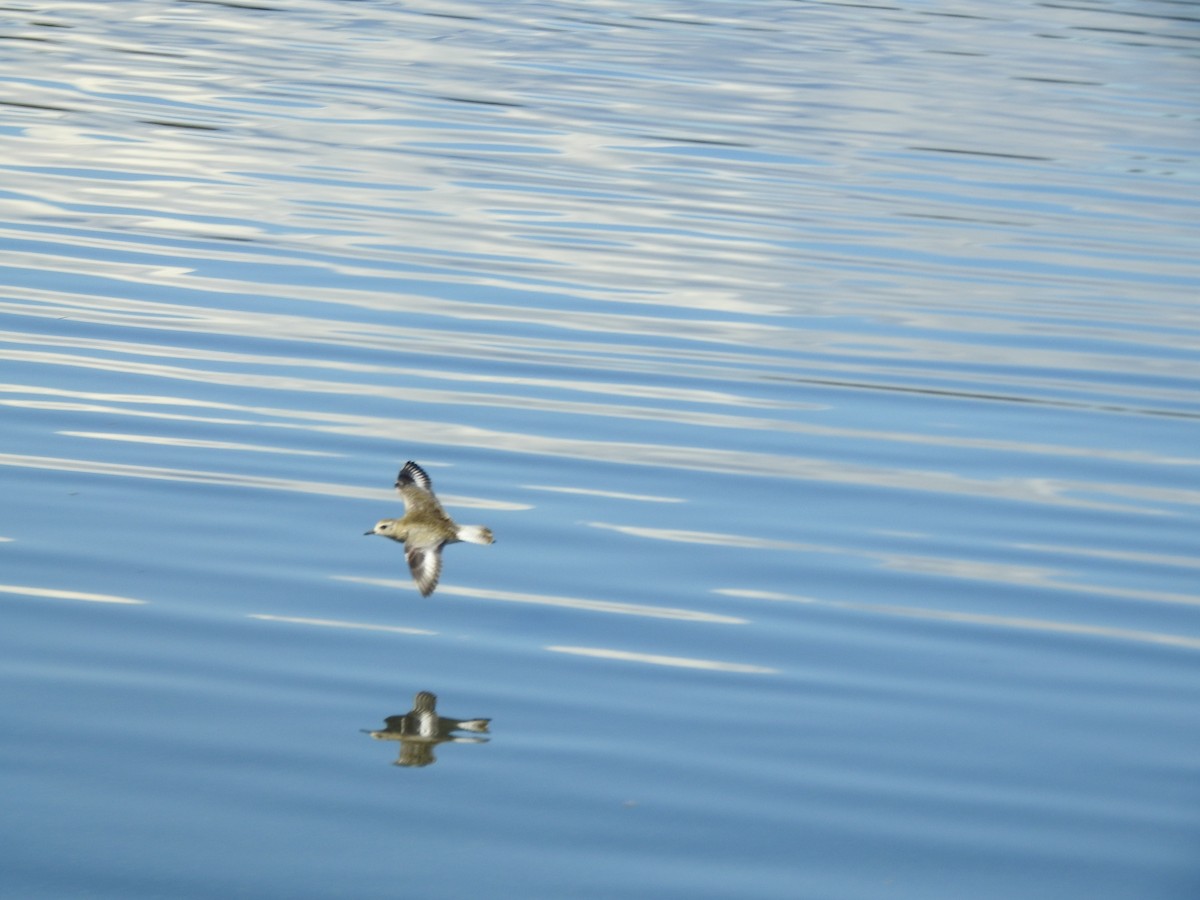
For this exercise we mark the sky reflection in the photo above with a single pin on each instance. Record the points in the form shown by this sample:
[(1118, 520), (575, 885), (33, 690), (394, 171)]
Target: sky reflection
[(654, 659), (58, 594), (339, 623), (941, 615), (604, 606)]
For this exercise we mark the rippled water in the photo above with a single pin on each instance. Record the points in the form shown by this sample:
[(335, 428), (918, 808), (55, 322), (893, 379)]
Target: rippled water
[(827, 372)]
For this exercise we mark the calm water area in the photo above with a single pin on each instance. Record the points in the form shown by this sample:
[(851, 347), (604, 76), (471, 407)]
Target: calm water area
[(829, 374)]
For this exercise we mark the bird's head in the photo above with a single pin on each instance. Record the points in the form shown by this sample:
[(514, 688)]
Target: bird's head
[(389, 528)]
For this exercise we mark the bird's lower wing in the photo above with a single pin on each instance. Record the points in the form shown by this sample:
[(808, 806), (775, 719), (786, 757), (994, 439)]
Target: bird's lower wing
[(426, 566)]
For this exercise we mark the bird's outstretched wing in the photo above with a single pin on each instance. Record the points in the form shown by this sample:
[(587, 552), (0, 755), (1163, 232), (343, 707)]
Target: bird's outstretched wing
[(413, 474), (426, 566)]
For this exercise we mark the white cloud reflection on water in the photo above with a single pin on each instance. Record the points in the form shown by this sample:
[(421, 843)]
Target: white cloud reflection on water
[(195, 443), (228, 478), (1025, 371), (1157, 559), (58, 594), (595, 652), (612, 495), (655, 659), (603, 606), (967, 569), (1050, 491), (340, 623), (446, 398), (941, 615)]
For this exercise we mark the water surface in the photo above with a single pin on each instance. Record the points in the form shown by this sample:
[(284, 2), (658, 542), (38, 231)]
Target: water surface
[(827, 372)]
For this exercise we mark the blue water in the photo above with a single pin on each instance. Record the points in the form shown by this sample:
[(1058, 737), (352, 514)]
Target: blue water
[(827, 373)]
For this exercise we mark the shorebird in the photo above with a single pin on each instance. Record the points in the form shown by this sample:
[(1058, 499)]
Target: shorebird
[(425, 528), (422, 721), (421, 729)]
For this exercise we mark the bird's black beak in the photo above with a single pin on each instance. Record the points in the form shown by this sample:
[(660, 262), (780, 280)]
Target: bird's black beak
[(372, 531)]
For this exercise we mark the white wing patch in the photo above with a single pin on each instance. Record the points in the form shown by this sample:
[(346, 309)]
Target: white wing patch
[(426, 566)]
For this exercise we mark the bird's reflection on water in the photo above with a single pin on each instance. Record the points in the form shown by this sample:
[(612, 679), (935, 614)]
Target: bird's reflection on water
[(421, 729)]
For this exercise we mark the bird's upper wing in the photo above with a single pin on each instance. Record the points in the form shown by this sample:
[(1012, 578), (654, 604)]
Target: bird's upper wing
[(426, 566), (416, 490), (413, 474)]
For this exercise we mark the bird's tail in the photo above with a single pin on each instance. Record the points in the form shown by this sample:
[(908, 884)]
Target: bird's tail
[(475, 534), (473, 724)]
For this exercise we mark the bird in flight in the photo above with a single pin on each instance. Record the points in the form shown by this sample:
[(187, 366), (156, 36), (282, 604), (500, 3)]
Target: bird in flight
[(425, 528)]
